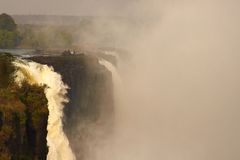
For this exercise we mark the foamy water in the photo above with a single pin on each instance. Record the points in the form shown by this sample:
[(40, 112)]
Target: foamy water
[(55, 91)]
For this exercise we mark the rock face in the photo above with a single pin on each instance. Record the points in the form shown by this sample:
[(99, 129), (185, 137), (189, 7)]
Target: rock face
[(89, 113), (23, 110), (23, 117)]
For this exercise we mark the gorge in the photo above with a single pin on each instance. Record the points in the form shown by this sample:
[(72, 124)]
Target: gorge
[(89, 104)]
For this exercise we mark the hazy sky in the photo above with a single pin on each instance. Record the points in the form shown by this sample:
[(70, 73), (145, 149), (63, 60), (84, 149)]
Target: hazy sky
[(64, 7)]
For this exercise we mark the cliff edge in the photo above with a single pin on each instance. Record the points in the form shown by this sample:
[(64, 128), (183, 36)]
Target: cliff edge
[(23, 116)]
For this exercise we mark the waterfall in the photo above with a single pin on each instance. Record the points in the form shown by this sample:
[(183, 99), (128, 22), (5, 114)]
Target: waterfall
[(109, 150), (117, 82), (55, 90)]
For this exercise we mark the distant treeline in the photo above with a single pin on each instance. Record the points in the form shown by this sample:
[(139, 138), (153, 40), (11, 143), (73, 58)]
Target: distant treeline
[(65, 32), (43, 37), (32, 36)]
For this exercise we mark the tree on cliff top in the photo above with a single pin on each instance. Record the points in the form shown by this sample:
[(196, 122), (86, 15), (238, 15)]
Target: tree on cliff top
[(7, 23), (9, 37)]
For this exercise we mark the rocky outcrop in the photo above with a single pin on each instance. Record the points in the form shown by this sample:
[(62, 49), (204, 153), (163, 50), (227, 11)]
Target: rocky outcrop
[(89, 113), (23, 110), (23, 117)]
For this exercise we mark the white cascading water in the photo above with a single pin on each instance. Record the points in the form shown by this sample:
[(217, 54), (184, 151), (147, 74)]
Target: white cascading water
[(109, 151), (37, 74), (117, 82)]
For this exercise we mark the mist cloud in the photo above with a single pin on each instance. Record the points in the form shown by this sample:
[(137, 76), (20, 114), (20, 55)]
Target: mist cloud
[(182, 95)]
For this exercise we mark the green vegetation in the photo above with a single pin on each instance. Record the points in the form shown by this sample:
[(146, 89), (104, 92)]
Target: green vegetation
[(6, 69), (7, 23), (23, 116), (41, 37), (32, 36), (9, 36)]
